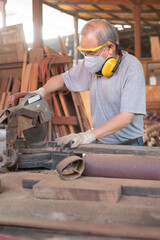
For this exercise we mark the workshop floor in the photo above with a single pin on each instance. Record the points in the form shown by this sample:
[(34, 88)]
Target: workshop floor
[(17, 202)]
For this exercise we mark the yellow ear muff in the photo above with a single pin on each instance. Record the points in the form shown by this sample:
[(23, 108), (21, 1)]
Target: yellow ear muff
[(108, 67)]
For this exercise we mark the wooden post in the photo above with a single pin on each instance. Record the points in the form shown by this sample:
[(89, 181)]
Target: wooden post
[(3, 11), (37, 23), (137, 35), (76, 39)]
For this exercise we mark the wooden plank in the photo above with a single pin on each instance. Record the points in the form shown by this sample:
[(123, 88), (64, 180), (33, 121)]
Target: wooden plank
[(63, 49), (74, 97), (24, 71), (66, 110), (152, 93), (63, 120), (145, 68), (118, 149), (16, 85), (26, 80), (33, 85), (57, 112), (8, 94), (2, 101), (37, 21), (85, 100), (3, 85), (82, 189), (155, 48), (83, 113), (137, 34), (9, 85), (49, 135), (86, 229)]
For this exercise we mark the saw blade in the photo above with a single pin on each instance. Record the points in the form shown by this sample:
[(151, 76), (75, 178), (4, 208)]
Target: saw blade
[(36, 134)]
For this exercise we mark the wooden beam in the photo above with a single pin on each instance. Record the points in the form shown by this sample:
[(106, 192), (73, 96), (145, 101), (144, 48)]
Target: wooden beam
[(76, 39), (137, 41), (99, 10), (37, 23), (3, 11), (124, 2), (149, 2), (63, 120), (135, 3), (154, 10)]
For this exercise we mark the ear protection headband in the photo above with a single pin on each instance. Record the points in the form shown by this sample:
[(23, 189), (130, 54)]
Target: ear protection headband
[(110, 66)]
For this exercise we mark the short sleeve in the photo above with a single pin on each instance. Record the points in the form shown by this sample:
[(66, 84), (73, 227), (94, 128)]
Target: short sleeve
[(133, 94), (77, 79)]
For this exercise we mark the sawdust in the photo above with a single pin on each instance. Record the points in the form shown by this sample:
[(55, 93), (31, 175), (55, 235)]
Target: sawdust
[(18, 202)]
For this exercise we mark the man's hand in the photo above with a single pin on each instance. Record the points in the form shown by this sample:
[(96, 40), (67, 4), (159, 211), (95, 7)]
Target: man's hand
[(78, 139), (41, 91)]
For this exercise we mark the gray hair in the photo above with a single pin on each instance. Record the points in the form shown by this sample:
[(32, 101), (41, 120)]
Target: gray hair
[(103, 29)]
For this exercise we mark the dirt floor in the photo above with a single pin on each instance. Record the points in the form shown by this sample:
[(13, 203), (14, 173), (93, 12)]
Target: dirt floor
[(19, 203)]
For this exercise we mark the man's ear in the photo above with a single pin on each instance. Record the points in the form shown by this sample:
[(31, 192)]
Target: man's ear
[(110, 49)]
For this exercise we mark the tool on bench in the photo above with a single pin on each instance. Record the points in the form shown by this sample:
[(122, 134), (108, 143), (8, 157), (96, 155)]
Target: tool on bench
[(22, 126)]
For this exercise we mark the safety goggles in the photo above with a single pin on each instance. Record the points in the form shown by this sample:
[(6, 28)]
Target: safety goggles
[(92, 50)]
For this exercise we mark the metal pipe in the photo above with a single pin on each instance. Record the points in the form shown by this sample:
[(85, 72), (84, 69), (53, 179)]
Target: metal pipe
[(122, 166)]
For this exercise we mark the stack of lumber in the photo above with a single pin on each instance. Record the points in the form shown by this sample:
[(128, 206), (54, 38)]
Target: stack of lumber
[(12, 49), (39, 65)]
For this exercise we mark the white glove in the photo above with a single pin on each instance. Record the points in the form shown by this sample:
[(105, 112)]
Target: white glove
[(78, 138), (41, 91)]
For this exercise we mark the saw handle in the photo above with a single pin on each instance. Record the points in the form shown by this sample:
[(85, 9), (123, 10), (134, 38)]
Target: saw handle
[(14, 98)]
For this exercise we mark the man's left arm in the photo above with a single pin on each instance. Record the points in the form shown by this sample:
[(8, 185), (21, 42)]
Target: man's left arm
[(113, 125)]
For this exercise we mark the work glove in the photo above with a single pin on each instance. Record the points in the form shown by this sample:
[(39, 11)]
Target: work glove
[(41, 91), (78, 139)]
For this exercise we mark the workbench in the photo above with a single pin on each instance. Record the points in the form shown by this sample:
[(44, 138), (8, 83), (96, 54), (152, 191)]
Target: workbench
[(24, 216)]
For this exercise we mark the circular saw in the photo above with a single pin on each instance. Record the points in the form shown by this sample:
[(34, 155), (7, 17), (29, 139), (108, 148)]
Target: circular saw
[(31, 117), (28, 119)]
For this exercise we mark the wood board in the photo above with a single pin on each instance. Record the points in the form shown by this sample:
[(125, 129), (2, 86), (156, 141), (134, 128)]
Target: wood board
[(82, 189)]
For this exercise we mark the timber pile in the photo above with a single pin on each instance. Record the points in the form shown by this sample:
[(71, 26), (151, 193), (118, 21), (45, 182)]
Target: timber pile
[(152, 129), (67, 109)]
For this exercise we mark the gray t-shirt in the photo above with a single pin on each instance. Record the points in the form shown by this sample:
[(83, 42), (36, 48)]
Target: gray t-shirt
[(124, 91)]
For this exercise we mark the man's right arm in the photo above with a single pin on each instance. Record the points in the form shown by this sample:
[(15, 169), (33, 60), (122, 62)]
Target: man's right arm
[(53, 84)]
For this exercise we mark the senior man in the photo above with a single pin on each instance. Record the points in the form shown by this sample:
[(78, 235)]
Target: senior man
[(115, 80)]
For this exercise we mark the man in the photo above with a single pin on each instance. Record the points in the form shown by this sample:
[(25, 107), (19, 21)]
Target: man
[(116, 83)]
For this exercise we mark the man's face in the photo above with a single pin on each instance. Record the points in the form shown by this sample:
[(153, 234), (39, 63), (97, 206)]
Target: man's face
[(89, 41)]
